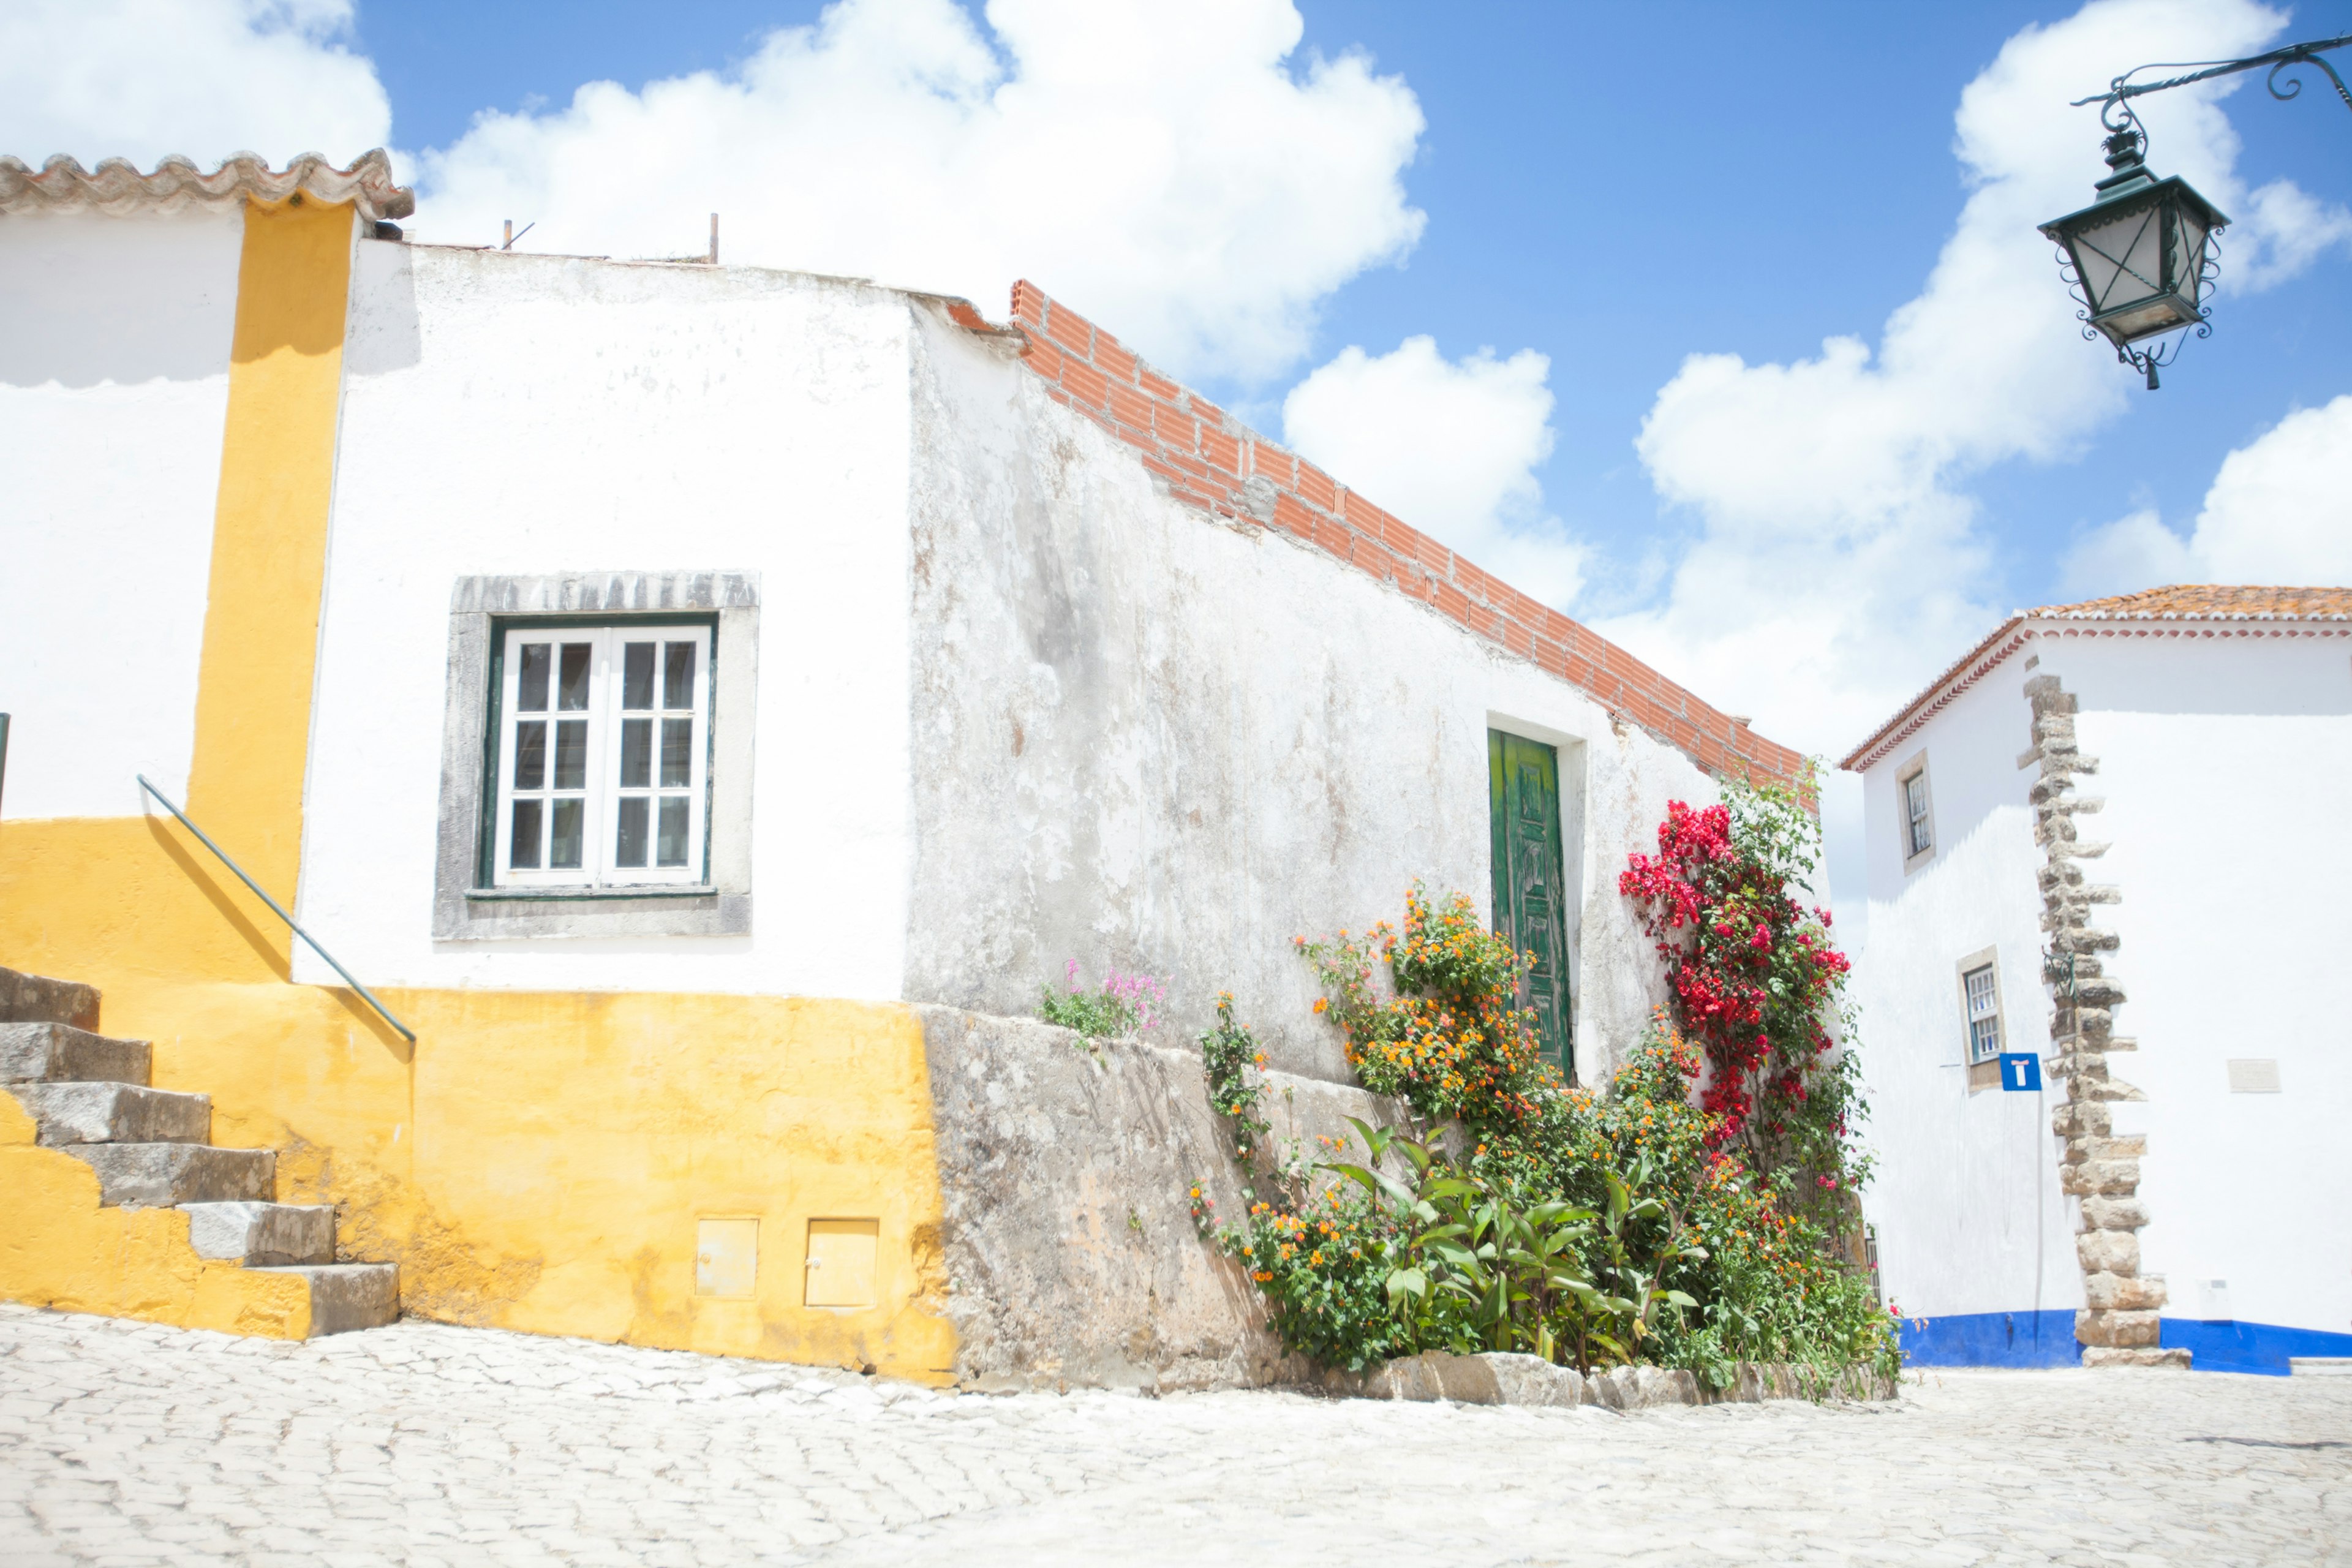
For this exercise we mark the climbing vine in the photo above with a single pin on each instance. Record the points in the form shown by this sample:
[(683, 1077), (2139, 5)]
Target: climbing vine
[(1758, 983)]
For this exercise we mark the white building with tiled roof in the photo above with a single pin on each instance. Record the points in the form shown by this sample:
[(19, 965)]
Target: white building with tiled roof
[(704, 704), (2109, 844)]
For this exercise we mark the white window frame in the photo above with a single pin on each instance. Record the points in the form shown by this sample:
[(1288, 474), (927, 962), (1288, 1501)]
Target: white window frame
[(1981, 1004), (602, 789), (1911, 824)]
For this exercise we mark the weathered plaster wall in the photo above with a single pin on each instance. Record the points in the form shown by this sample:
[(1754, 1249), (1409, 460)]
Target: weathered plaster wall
[(536, 416), (1147, 738), (114, 366), (1967, 1201), (2222, 763)]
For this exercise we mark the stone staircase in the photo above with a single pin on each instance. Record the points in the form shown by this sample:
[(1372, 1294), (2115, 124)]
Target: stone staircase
[(88, 1097)]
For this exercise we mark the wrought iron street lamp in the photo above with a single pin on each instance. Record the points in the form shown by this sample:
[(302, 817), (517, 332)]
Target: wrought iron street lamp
[(2141, 259)]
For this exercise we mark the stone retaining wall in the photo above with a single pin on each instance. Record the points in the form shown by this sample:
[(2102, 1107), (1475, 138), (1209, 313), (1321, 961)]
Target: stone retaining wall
[(1497, 1378), (1071, 1256)]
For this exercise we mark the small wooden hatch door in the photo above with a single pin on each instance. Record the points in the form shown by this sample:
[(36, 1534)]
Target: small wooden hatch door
[(1530, 895)]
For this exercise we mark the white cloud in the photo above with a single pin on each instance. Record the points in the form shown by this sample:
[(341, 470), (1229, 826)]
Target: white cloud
[(142, 79), (1840, 563), (2284, 229), (1163, 169), (1451, 447), (2277, 513)]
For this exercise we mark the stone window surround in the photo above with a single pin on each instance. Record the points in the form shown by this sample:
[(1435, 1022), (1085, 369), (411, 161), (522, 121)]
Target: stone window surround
[(463, 910), (1983, 1075), (1913, 766)]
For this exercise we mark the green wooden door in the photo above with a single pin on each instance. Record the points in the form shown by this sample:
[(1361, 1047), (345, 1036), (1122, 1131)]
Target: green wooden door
[(1531, 905)]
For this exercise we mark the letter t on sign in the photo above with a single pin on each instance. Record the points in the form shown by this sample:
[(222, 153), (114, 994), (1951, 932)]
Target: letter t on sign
[(2021, 1072)]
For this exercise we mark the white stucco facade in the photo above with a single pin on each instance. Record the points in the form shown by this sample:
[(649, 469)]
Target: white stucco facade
[(1015, 704), (1148, 739), (114, 354), (1965, 1199), (2220, 744), (508, 414)]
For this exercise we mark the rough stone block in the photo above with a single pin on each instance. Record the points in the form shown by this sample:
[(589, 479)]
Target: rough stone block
[(346, 1296), (2118, 1330), (1522, 1380), (38, 999), (2108, 1252), (2108, 1355), (2116, 1292), (263, 1234), (59, 1053), (2081, 1119), (157, 1175), (2107, 1178), (115, 1113), (2114, 1213), (1643, 1387)]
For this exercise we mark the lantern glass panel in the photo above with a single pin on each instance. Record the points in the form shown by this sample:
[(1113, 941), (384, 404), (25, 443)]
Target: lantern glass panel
[(2121, 259), (2188, 256)]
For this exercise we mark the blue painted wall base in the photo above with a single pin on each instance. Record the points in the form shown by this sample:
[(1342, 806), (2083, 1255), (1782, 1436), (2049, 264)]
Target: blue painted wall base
[(2047, 1339), (1991, 1339), (2260, 1347)]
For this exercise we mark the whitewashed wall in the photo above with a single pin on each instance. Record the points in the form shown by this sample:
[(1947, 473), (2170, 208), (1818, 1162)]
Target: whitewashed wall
[(114, 347), (2224, 765), (1147, 739), (1966, 1198), (517, 414)]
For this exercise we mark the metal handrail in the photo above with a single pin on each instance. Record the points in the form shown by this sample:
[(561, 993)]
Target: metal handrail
[(406, 1032)]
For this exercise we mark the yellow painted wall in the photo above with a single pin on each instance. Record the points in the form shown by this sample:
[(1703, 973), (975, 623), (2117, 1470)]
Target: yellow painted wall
[(536, 1161)]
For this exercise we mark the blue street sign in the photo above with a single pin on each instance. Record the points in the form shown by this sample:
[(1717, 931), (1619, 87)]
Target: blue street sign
[(2021, 1072)]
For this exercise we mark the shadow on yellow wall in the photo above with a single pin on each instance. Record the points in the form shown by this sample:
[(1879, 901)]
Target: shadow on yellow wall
[(538, 1161)]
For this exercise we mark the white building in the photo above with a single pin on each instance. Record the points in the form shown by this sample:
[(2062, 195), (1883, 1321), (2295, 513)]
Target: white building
[(2113, 836), (705, 703)]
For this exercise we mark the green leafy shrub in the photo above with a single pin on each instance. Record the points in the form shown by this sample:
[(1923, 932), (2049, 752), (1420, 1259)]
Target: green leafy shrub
[(1592, 1228)]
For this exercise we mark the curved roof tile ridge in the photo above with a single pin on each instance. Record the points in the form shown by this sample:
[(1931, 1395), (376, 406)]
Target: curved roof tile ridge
[(2208, 602), (116, 186)]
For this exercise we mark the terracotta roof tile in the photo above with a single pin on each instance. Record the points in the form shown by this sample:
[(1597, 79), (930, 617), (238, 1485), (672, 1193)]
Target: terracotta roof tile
[(2206, 602), (117, 186)]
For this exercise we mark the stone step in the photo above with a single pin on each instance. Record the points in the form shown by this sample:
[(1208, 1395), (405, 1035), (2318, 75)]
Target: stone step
[(158, 1175), (38, 999), (60, 1053), (115, 1113), (263, 1234), (346, 1296)]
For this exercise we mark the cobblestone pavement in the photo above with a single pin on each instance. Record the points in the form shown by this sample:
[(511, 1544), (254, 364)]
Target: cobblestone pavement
[(423, 1444)]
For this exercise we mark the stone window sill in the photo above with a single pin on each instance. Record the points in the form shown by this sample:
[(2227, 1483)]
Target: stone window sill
[(591, 895)]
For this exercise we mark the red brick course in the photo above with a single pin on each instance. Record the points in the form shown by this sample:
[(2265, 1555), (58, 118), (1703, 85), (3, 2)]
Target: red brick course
[(1205, 460)]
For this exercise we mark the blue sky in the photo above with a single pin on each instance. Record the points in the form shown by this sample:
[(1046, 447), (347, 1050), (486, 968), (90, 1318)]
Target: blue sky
[(1619, 186), (1722, 326)]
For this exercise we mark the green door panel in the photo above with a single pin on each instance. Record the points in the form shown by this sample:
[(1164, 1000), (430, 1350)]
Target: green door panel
[(1531, 900)]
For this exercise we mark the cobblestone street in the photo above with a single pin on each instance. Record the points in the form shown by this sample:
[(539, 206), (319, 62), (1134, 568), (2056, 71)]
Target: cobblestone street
[(420, 1444)]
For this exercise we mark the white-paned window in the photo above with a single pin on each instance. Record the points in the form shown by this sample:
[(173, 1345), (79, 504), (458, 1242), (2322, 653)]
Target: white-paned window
[(1917, 835), (1980, 989), (603, 756)]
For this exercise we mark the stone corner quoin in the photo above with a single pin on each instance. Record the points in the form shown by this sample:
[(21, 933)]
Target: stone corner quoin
[(2119, 1323), (1204, 458)]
